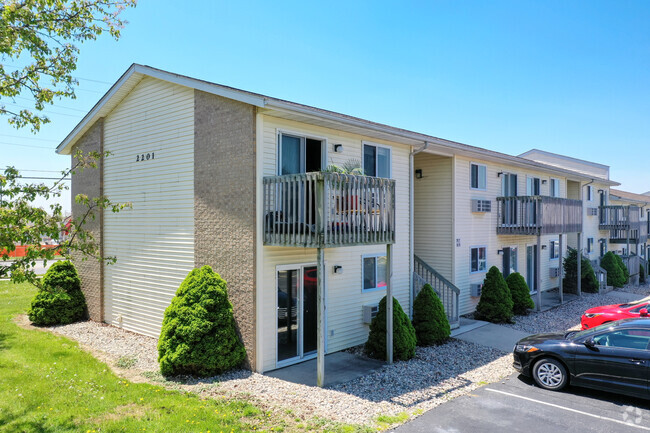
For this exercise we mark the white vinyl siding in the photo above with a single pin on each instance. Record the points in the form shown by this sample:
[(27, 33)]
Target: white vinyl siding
[(153, 241), (344, 293)]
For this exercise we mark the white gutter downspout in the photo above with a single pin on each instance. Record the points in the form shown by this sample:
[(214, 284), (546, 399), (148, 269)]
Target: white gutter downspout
[(411, 222)]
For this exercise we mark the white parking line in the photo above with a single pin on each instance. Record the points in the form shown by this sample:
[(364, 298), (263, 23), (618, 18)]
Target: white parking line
[(570, 410)]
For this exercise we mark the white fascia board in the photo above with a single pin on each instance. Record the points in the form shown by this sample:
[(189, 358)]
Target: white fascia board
[(91, 117)]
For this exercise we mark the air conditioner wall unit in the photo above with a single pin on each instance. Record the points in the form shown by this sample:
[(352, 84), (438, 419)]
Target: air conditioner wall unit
[(553, 272), (592, 211), (475, 290), (479, 205), (369, 312)]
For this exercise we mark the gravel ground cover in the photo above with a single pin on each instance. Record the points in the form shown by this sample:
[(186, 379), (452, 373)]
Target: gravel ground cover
[(402, 390)]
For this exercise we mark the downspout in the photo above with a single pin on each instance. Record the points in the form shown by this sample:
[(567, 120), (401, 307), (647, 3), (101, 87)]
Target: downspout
[(411, 222)]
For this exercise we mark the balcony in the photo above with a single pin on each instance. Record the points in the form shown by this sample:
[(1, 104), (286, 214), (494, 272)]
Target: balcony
[(324, 210), (538, 215), (624, 224)]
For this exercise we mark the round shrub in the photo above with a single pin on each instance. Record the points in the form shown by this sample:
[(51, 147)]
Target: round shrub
[(403, 334), (429, 318), (520, 293), (626, 272), (495, 304), (60, 300), (615, 276), (589, 282), (198, 335)]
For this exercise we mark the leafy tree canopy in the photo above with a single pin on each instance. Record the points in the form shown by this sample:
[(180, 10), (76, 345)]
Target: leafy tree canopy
[(39, 55)]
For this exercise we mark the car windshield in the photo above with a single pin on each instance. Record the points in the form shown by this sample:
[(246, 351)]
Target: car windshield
[(632, 304), (574, 335)]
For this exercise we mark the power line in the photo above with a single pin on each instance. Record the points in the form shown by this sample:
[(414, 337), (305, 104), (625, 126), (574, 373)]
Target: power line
[(78, 78), (53, 105), (28, 138), (28, 145), (44, 111)]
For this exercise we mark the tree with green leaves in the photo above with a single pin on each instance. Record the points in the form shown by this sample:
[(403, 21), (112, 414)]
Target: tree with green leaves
[(589, 282), (615, 275), (404, 340), (520, 293), (496, 303), (39, 55), (429, 318), (60, 300), (623, 266)]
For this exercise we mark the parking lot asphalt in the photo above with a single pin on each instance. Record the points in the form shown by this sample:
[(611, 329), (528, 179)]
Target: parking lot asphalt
[(516, 405)]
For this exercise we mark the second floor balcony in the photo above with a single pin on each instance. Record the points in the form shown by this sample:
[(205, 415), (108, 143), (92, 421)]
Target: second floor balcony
[(328, 210), (538, 215), (624, 224)]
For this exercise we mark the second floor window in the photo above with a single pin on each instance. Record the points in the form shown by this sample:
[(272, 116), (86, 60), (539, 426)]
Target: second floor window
[(590, 193), (376, 160), (554, 188), (590, 244), (478, 176), (532, 186), (555, 250)]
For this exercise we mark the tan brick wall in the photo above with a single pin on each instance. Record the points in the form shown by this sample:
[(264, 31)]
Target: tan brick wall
[(224, 200), (89, 182)]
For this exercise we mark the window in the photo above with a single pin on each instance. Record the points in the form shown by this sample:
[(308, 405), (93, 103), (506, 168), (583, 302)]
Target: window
[(299, 154), (626, 338), (478, 176), (509, 184), (478, 259), (590, 244), (554, 188), (603, 247), (590, 193), (532, 186), (374, 272), (376, 160), (555, 250)]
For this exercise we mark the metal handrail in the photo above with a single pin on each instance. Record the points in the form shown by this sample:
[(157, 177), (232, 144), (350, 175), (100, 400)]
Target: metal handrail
[(447, 292)]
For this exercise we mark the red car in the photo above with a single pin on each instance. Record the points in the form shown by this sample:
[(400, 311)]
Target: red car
[(610, 313)]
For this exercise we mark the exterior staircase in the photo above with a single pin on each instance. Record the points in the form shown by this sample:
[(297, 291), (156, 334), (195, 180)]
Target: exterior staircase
[(446, 291)]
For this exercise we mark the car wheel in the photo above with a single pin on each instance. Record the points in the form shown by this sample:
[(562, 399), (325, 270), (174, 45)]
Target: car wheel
[(550, 374)]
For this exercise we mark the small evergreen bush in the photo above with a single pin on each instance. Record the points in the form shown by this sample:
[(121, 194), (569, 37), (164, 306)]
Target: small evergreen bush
[(404, 339), (589, 282), (641, 274), (495, 304), (615, 275), (60, 300), (198, 333), (626, 272), (520, 293), (429, 318)]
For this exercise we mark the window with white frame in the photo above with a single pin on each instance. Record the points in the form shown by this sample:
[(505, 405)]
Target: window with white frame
[(590, 244), (532, 186), (376, 160), (554, 187), (555, 250), (478, 259), (374, 272), (478, 176), (590, 193)]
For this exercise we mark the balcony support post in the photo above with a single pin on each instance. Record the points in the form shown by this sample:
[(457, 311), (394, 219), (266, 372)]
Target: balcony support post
[(561, 270), (320, 345), (579, 270), (538, 272), (389, 303)]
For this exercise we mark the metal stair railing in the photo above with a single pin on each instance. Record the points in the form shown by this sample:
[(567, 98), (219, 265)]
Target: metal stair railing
[(446, 291)]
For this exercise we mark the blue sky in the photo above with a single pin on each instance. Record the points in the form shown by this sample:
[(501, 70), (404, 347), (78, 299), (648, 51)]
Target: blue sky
[(567, 77)]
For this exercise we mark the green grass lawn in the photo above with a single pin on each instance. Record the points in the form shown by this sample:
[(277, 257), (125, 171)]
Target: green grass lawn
[(48, 384)]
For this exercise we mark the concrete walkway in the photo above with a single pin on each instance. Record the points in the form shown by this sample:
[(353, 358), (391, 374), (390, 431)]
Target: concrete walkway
[(488, 334), (339, 367)]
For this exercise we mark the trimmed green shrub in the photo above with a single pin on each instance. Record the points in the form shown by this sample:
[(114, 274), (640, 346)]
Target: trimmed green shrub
[(198, 335), (615, 275), (589, 282), (60, 300), (495, 304), (626, 272), (641, 274), (404, 339), (429, 318), (520, 293)]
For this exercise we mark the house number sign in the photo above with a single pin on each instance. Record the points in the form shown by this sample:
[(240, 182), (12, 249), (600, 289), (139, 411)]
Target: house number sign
[(144, 157)]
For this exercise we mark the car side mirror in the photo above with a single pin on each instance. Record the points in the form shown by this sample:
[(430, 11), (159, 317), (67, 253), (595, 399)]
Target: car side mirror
[(643, 312), (589, 342)]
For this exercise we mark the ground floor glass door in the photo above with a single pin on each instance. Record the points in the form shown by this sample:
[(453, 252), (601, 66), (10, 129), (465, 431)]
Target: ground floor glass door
[(531, 268), (296, 313)]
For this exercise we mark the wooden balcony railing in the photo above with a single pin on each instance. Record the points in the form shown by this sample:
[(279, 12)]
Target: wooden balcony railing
[(328, 210), (533, 215), (624, 224)]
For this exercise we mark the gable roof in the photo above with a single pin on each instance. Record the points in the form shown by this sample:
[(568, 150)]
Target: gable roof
[(630, 196), (305, 113)]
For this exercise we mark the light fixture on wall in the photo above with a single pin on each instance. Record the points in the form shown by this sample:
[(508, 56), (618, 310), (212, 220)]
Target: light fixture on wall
[(544, 181), (500, 252), (544, 247), (338, 269), (600, 191), (338, 148), (418, 173), (499, 174)]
